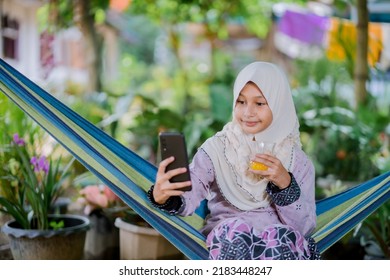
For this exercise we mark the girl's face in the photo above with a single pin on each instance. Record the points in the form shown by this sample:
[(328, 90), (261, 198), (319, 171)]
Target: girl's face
[(251, 110)]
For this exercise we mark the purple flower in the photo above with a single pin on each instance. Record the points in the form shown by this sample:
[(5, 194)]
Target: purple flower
[(40, 164), (18, 141)]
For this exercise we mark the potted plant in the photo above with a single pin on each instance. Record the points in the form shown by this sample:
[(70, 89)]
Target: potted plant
[(30, 184), (102, 206), (139, 241)]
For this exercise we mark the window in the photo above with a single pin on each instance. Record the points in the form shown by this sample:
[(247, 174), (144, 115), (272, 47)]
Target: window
[(10, 31)]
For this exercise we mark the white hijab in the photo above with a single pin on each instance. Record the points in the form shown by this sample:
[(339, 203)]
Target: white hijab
[(230, 151)]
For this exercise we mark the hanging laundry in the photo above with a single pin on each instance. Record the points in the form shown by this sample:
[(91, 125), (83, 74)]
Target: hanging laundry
[(301, 34), (306, 27), (342, 40)]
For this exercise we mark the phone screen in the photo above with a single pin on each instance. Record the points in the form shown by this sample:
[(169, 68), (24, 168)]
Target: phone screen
[(173, 144)]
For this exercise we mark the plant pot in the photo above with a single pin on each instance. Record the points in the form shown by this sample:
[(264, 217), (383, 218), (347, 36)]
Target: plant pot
[(66, 243), (143, 243), (102, 241), (5, 251)]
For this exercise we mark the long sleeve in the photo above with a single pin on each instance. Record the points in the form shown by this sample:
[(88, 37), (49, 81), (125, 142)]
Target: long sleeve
[(301, 213), (202, 176)]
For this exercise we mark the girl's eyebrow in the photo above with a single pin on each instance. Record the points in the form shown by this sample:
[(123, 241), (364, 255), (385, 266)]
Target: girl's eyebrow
[(260, 96)]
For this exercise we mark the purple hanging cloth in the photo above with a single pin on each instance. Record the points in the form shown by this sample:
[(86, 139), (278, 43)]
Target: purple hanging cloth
[(305, 27)]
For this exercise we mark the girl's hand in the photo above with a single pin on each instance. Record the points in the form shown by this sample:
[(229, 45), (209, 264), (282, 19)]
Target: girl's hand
[(276, 173), (163, 189)]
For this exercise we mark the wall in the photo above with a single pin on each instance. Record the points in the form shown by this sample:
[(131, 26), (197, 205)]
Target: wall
[(27, 51)]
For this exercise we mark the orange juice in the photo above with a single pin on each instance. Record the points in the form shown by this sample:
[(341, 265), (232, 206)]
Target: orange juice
[(257, 166), (260, 147)]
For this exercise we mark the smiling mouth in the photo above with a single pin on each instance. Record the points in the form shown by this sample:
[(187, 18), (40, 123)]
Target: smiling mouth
[(250, 124)]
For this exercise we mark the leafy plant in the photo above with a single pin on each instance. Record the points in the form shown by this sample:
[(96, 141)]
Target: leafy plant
[(29, 184), (57, 225), (342, 139), (377, 228)]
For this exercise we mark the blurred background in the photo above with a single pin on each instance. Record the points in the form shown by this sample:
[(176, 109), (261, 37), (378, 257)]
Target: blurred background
[(135, 68)]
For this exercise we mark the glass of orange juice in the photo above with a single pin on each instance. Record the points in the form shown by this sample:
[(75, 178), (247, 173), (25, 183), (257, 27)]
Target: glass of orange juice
[(261, 147)]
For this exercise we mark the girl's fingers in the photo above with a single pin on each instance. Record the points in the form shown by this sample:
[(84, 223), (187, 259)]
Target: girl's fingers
[(175, 189), (273, 165), (164, 178), (179, 185), (163, 188), (174, 186), (276, 173), (171, 173), (267, 158), (174, 172), (164, 163), (165, 191)]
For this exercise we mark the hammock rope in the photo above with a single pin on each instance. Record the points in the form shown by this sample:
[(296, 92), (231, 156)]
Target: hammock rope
[(130, 176)]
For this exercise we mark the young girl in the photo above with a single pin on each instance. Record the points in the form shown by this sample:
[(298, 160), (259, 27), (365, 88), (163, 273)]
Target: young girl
[(254, 214)]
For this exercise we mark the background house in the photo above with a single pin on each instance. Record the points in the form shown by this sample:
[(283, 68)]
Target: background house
[(19, 39), (56, 60)]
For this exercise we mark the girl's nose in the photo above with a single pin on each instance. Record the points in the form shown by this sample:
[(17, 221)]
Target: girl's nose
[(250, 110)]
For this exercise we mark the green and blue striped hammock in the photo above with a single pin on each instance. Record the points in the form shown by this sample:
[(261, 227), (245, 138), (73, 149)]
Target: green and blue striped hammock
[(130, 176)]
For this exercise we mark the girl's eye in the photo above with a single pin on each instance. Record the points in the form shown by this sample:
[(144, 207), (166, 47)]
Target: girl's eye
[(261, 104), (240, 102)]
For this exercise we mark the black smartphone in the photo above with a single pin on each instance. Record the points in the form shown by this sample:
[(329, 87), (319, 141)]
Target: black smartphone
[(173, 144)]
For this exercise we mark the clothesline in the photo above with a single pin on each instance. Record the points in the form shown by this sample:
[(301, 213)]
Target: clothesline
[(307, 35)]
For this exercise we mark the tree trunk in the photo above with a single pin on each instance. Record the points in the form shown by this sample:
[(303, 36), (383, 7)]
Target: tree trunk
[(361, 66), (94, 43), (175, 43)]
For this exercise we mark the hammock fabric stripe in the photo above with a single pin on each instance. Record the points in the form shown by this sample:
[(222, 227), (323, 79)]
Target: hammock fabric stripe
[(85, 147), (129, 176), (339, 214)]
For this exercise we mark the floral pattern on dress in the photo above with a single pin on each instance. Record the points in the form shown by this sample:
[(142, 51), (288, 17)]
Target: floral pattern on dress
[(236, 240)]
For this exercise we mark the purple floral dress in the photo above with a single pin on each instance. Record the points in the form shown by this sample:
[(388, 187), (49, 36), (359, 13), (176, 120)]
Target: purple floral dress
[(280, 231), (236, 240)]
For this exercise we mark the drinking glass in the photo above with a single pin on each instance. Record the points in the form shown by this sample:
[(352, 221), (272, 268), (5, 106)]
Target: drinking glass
[(261, 147)]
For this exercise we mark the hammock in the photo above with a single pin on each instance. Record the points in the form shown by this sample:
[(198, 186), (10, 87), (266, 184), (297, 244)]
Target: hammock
[(130, 176)]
